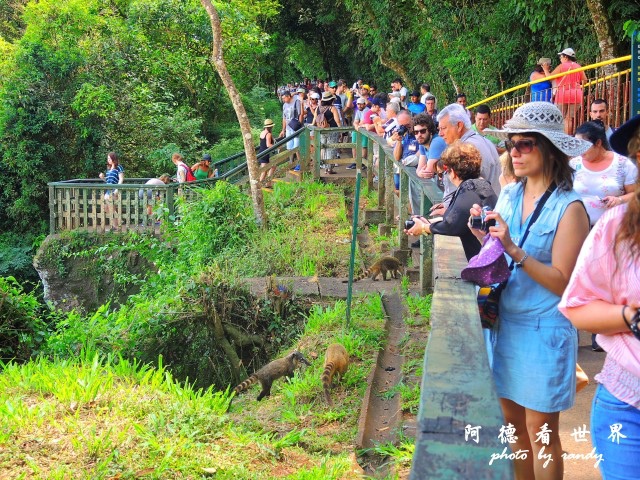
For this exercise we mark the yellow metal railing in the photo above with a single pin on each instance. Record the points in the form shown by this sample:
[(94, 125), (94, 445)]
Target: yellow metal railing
[(614, 88)]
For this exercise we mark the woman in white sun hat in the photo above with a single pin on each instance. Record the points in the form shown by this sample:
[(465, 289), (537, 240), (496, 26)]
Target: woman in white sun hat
[(535, 346)]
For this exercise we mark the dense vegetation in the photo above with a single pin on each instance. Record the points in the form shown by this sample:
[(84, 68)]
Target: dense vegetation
[(79, 78), (143, 389)]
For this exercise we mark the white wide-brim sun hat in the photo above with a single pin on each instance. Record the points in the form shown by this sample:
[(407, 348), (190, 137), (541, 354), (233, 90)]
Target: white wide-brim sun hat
[(546, 119)]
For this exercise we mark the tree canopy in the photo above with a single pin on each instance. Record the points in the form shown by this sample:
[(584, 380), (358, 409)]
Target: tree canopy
[(80, 78)]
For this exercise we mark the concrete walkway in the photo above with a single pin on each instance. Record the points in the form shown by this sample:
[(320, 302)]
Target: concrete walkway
[(573, 420), (578, 465)]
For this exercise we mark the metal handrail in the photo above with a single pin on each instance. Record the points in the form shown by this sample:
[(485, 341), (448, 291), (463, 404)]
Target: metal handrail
[(592, 66)]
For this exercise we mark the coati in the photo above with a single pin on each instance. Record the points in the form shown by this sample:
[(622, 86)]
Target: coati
[(280, 367), (335, 361), (381, 267)]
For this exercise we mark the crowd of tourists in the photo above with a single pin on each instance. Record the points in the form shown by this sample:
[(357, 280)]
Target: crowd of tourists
[(563, 209)]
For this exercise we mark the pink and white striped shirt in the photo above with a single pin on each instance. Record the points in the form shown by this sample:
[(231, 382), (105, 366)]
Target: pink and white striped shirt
[(599, 275)]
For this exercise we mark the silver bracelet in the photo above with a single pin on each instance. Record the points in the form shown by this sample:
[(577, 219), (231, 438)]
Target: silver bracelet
[(519, 264)]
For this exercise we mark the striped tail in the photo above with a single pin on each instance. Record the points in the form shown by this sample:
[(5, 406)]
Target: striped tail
[(327, 374), (246, 384), (364, 275)]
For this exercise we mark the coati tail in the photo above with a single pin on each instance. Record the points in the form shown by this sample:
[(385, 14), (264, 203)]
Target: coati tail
[(327, 375), (365, 274), (246, 384)]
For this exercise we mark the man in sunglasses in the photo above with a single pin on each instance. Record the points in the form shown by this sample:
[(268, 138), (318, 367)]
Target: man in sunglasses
[(455, 124)]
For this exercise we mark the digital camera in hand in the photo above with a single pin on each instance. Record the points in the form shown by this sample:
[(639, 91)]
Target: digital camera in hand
[(402, 130), (480, 223), (408, 224)]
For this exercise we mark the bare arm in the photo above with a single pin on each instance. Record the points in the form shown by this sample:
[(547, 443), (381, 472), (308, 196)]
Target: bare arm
[(336, 115), (397, 149), (601, 317), (570, 235), (426, 167), (120, 177), (611, 201)]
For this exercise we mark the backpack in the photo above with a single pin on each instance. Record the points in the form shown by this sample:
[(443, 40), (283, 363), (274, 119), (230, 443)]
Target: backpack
[(321, 120), (190, 177)]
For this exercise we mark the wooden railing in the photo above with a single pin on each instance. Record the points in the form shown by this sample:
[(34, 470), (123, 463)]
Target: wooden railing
[(92, 205), (457, 388), (614, 88)]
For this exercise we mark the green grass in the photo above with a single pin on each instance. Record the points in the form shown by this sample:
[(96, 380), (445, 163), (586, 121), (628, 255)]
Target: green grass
[(103, 416)]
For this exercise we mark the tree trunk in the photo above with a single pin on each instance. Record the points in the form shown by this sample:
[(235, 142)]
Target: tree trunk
[(249, 149), (227, 348), (398, 68), (604, 32)]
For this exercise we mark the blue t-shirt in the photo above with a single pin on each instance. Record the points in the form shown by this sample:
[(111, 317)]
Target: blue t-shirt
[(416, 108), (438, 145), (112, 176), (409, 145)]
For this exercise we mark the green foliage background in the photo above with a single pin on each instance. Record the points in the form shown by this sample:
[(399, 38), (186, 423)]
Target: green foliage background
[(80, 78)]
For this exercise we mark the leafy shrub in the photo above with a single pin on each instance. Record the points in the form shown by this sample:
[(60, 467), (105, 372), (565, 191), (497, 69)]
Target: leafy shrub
[(16, 256), (22, 326), (221, 220)]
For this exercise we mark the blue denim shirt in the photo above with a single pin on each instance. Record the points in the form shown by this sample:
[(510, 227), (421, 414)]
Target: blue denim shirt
[(524, 297)]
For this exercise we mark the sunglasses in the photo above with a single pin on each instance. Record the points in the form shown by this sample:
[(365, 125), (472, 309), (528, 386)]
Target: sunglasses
[(419, 130), (522, 146), (441, 174)]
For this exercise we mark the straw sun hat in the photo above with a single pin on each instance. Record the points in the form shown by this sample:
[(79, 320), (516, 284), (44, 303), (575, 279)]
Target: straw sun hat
[(543, 118), (268, 123)]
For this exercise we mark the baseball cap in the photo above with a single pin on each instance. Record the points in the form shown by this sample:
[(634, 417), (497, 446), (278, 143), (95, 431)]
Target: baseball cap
[(361, 100), (333, 84), (315, 95), (376, 101), (568, 52), (365, 86), (207, 157)]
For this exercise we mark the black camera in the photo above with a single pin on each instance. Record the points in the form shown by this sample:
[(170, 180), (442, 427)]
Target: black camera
[(480, 223), (408, 224), (402, 130)]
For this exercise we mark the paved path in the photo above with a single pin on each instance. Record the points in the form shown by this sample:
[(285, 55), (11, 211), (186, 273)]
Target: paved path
[(579, 415), (571, 421)]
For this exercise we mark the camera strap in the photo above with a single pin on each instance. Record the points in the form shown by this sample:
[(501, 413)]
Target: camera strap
[(534, 215)]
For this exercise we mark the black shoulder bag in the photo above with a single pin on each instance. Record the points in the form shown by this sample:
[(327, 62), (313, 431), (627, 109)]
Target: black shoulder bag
[(294, 124)]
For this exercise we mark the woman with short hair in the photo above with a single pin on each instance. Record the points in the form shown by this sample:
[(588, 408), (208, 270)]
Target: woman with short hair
[(462, 164)]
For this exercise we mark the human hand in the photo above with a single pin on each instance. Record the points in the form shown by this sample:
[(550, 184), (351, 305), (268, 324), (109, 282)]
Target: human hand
[(101, 175), (611, 201), (421, 226), (500, 231), (424, 173)]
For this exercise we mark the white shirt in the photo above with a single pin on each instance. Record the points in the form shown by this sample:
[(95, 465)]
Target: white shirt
[(592, 186)]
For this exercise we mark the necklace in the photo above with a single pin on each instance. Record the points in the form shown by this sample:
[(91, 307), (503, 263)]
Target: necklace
[(535, 196)]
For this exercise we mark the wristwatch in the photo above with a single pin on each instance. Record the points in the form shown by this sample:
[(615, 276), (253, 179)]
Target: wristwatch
[(521, 262)]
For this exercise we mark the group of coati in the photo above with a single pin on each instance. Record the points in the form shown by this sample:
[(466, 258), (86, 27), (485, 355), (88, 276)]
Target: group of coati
[(336, 362), (336, 359)]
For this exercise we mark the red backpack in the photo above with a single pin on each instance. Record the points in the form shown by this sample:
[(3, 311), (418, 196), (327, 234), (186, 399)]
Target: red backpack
[(190, 177)]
